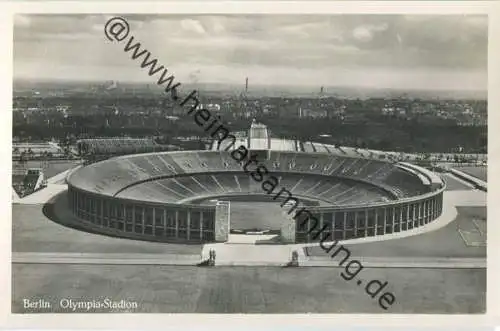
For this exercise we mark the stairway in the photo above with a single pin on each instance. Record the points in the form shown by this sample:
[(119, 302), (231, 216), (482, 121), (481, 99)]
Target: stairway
[(248, 254)]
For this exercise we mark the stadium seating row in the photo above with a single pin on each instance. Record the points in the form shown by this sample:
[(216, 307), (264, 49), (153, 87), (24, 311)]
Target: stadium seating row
[(25, 184), (118, 146), (333, 190), (111, 176)]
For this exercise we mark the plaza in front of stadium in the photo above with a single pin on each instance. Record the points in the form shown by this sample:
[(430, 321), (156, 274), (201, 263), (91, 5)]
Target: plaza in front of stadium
[(140, 227)]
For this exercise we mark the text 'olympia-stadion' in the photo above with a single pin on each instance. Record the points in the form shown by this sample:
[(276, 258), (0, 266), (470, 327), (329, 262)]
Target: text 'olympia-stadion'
[(185, 196)]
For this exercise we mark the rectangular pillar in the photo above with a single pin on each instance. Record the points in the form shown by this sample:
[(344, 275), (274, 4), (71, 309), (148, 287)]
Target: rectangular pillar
[(222, 219), (176, 224), (393, 218), (133, 218), (333, 225), (288, 225), (408, 213), (385, 220), (419, 204), (143, 218), (201, 225), (164, 222), (414, 216), (154, 221), (366, 223), (344, 232), (355, 224)]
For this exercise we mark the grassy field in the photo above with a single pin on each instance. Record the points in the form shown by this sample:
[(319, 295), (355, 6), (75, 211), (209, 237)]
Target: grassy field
[(163, 289), (259, 215), (445, 242)]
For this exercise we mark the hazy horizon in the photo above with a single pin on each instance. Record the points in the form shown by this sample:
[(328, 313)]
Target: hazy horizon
[(274, 89)]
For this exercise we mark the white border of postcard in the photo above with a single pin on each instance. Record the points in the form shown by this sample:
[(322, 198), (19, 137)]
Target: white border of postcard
[(293, 321)]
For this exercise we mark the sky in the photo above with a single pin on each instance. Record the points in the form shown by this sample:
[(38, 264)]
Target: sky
[(438, 52)]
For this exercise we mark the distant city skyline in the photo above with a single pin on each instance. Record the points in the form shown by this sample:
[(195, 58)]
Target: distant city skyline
[(414, 52)]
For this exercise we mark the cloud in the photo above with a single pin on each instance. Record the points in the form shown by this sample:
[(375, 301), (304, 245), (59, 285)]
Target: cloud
[(192, 26), (365, 33), (319, 43)]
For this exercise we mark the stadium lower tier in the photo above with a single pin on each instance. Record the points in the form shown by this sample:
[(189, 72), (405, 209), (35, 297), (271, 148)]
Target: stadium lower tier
[(329, 190), (142, 220), (191, 223)]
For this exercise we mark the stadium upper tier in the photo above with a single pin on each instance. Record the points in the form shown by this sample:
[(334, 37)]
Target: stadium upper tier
[(183, 176)]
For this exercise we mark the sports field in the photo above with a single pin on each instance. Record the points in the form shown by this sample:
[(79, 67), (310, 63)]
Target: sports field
[(256, 215)]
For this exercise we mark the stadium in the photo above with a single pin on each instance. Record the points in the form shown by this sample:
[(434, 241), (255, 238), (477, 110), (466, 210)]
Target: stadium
[(420, 228), (191, 196)]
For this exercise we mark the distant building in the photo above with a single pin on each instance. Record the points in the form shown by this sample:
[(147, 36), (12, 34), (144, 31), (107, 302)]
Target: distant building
[(312, 113), (211, 107), (388, 110)]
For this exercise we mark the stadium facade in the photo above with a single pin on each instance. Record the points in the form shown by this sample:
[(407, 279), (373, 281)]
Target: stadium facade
[(185, 196)]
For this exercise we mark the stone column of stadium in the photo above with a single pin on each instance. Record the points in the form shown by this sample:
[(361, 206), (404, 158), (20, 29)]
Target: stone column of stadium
[(222, 219), (288, 225)]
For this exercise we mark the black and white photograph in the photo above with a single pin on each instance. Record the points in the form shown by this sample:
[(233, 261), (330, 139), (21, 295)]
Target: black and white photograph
[(249, 163)]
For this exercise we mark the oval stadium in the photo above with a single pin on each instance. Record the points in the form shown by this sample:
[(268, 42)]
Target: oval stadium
[(194, 196)]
